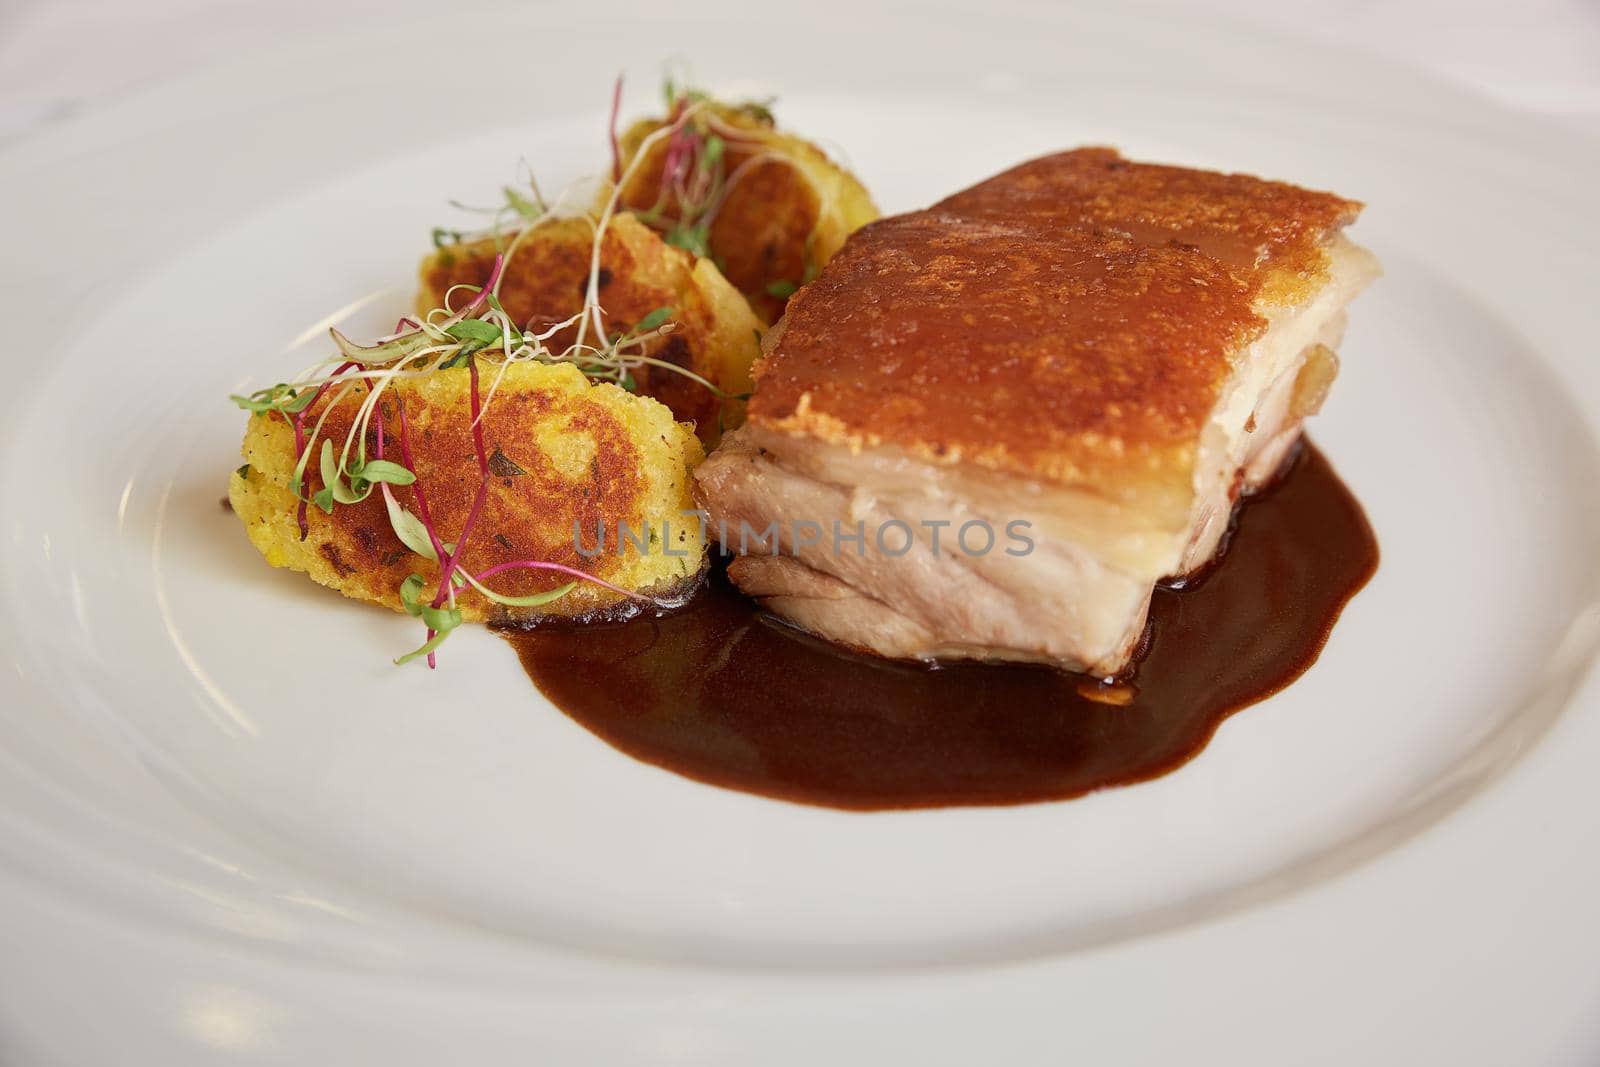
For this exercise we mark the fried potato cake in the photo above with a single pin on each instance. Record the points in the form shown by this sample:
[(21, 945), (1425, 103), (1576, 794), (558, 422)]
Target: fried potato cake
[(567, 458), (546, 277), (785, 208)]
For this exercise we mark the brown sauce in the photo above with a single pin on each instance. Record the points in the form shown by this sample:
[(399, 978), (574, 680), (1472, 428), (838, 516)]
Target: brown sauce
[(722, 693)]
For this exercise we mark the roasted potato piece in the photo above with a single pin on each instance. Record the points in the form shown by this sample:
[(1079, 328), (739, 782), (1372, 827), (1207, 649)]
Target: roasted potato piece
[(715, 335), (564, 453), (772, 209)]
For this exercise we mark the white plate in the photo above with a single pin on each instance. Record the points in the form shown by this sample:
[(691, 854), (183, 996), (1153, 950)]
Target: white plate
[(227, 824)]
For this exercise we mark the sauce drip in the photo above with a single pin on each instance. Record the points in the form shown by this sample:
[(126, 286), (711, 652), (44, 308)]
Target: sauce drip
[(722, 693)]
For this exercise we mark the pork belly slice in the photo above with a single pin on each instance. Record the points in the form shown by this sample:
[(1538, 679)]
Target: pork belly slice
[(823, 604), (1098, 354)]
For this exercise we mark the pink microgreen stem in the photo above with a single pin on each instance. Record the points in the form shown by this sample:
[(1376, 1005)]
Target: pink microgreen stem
[(478, 301), (299, 450), (422, 503), (299, 424), (450, 565), (416, 486), (680, 145)]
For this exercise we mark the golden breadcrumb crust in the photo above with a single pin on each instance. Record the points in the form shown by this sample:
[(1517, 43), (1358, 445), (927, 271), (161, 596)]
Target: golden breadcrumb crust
[(563, 451), (715, 334)]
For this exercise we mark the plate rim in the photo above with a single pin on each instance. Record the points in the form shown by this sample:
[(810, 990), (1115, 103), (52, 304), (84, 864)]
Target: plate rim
[(14, 167)]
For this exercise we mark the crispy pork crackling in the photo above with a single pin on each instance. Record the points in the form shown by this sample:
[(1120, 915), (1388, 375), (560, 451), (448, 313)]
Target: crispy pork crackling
[(1109, 352)]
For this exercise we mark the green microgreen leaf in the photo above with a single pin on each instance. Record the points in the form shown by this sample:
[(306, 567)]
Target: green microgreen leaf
[(430, 645), (711, 154), (411, 594), (384, 470), (475, 330), (521, 204), (333, 481), (251, 404), (442, 236), (672, 92), (690, 238), (442, 619), (653, 320), (354, 493), (464, 353), (760, 110), (409, 529), (783, 290), (280, 397), (533, 600), (324, 500)]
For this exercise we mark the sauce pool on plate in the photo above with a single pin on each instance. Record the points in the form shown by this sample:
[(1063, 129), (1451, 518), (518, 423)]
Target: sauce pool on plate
[(722, 693)]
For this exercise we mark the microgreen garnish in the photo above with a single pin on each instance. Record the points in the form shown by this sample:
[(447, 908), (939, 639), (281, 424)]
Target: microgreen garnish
[(411, 594), (709, 149), (472, 330), (652, 321), (409, 529), (382, 470), (461, 354), (281, 397), (523, 206), (783, 290), (711, 152), (516, 208), (428, 647), (759, 110), (696, 239), (442, 619), (353, 482), (533, 600)]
